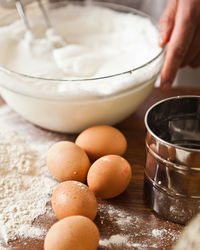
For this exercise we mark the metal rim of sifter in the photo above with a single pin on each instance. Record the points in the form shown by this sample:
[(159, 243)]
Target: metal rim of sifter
[(156, 136)]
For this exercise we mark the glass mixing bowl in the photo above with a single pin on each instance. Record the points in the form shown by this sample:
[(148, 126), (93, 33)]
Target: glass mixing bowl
[(62, 111)]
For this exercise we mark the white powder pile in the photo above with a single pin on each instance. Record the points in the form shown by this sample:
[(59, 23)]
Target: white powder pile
[(25, 187), (25, 184)]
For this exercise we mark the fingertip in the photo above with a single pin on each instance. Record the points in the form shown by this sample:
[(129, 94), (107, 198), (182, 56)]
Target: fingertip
[(161, 42), (162, 39), (165, 84)]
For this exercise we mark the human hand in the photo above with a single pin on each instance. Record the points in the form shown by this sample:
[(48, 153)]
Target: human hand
[(180, 28)]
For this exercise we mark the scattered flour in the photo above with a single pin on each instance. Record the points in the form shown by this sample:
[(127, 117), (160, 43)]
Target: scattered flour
[(114, 239), (25, 185), (158, 233), (133, 232)]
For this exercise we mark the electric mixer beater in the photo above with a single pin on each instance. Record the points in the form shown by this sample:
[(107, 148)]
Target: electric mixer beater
[(20, 6)]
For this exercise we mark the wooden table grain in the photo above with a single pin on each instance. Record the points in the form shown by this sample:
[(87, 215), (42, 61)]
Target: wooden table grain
[(139, 227)]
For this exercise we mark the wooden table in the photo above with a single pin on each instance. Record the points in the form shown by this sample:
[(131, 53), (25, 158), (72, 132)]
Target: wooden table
[(127, 219)]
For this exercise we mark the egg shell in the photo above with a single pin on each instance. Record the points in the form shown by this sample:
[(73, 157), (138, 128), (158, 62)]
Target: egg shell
[(67, 161), (73, 233), (109, 176), (74, 198), (101, 140)]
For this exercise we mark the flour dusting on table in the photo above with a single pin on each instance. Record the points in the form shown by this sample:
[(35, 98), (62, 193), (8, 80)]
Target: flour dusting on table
[(128, 232), (25, 187), (25, 184)]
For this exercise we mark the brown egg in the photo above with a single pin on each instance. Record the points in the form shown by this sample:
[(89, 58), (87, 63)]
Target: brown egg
[(101, 140), (109, 176), (67, 161), (72, 233), (74, 198)]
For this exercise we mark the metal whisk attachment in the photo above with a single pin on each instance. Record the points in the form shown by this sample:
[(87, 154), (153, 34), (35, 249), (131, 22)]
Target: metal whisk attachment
[(22, 13), (56, 40)]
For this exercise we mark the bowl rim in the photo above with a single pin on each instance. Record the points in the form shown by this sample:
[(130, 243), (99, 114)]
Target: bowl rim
[(156, 136), (93, 3)]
